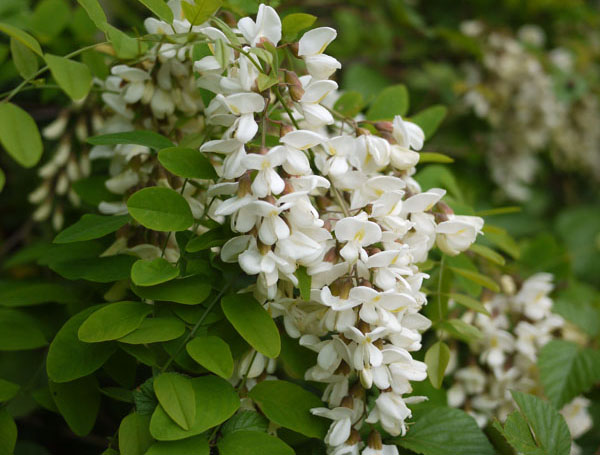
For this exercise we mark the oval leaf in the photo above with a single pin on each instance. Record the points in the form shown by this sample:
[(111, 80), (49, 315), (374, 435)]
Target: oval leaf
[(151, 273), (478, 278), (390, 102), (19, 135), (213, 354), (253, 323), (69, 358), (177, 398), (24, 37), (78, 402), (187, 291), (91, 227), (436, 359), (430, 119), (289, 405), (8, 432), (155, 330), (159, 8), (113, 321), (186, 163), (24, 59), (73, 77), (160, 209), (134, 436), (216, 401), (197, 445)]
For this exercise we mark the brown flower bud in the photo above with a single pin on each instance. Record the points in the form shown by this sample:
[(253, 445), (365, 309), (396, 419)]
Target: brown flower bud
[(362, 132), (374, 440), (331, 255), (364, 327), (354, 438), (348, 402), (295, 47), (294, 85), (244, 184)]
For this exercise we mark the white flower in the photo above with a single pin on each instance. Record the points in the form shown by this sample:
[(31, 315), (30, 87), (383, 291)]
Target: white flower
[(366, 353), (384, 450), (314, 92), (458, 233), (357, 232), (532, 299), (243, 105), (267, 26), (339, 431), (391, 411), (577, 416), (267, 181), (311, 48)]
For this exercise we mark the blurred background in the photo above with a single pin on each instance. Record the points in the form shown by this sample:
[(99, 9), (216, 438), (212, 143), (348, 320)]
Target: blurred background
[(520, 80)]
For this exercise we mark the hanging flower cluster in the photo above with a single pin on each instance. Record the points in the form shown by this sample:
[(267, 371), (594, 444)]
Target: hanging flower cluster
[(321, 204), (519, 324), (533, 103)]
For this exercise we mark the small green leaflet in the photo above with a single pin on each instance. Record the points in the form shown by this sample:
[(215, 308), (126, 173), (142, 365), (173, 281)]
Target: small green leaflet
[(349, 104), (197, 445), (95, 12), (390, 102), (24, 37), (187, 291), (430, 119), (19, 135), (186, 163), (151, 273), (134, 436), (8, 432), (154, 330), (432, 157), (478, 278), (177, 398), (160, 209), (437, 358), (19, 331), (253, 323), (91, 227), (213, 354), (198, 12), (304, 283), (294, 23), (253, 443), (160, 8), (78, 402), (8, 390), (24, 58), (113, 321), (73, 77)]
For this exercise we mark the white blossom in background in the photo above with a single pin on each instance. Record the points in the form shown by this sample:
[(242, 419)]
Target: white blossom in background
[(521, 322), (516, 92)]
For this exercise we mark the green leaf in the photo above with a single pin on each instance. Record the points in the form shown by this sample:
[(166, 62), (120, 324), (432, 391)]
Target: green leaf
[(548, 426), (8, 390), (478, 278), (213, 354), (567, 370), (253, 323), (177, 398), (487, 253), (186, 163), (24, 37), (499, 211), (390, 102), (125, 46), (95, 12), (461, 330), (91, 227), (516, 431), (216, 401), (580, 304), (470, 303), (146, 138), (8, 432), (245, 420), (19, 135), (289, 405), (264, 81), (430, 119), (113, 321), (198, 445), (69, 358), (187, 291), (160, 8), (104, 269), (155, 330), (437, 358), (304, 283), (19, 331), (24, 59), (160, 209), (501, 239), (349, 104), (78, 402), (49, 19), (432, 157), (73, 77), (29, 293), (209, 239), (2, 179), (134, 436), (151, 273), (294, 23), (445, 431), (253, 443), (198, 12)]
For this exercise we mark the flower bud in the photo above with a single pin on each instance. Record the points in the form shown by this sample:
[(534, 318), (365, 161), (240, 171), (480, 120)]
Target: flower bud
[(348, 402), (384, 127), (294, 85), (295, 48), (55, 129), (374, 441)]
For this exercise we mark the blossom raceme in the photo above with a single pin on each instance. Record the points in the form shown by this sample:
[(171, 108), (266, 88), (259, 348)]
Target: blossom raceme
[(314, 200)]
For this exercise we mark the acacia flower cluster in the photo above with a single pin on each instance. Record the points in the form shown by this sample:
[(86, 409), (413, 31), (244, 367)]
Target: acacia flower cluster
[(325, 212), (505, 358), (330, 205)]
